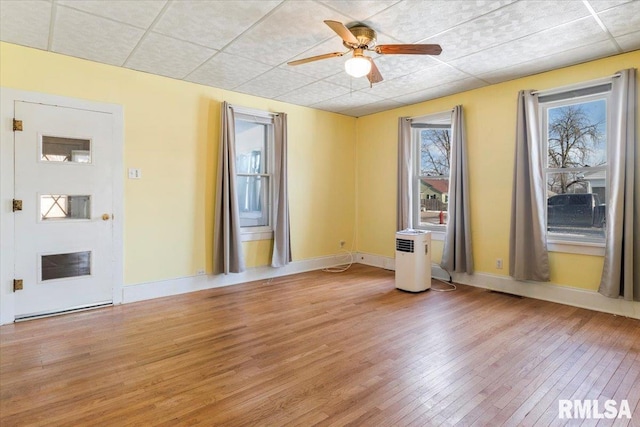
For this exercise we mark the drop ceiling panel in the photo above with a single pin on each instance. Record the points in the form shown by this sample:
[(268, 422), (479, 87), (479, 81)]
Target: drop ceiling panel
[(212, 23), (25, 23), (418, 81), (91, 37), (439, 91), (313, 93), (412, 21), (599, 5), (227, 71), (535, 46), (629, 42), (295, 27), (508, 23), (372, 108), (622, 20), (275, 83), (167, 56), (393, 66), (133, 12), (556, 60), (347, 101), (359, 10)]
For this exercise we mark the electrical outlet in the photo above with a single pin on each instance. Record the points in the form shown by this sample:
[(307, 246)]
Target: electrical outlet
[(135, 173), (499, 263), (200, 272)]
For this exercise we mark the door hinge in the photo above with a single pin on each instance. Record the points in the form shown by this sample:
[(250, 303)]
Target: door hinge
[(17, 285), (17, 125), (17, 205)]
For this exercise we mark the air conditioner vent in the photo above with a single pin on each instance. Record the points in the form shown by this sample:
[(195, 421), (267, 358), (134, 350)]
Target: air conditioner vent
[(403, 245)]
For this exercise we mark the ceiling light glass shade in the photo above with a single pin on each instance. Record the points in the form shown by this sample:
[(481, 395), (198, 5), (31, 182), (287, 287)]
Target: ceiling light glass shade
[(357, 66)]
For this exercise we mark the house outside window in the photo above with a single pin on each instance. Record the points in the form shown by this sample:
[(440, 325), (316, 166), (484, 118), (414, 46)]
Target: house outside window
[(254, 172), (574, 132), (431, 141)]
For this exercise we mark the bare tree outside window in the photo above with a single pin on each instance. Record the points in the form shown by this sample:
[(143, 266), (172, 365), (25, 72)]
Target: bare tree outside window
[(435, 150), (576, 140)]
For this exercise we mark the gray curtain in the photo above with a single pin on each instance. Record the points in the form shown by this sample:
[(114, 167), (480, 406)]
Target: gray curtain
[(621, 272), (457, 255), (227, 245), (281, 238), (404, 217), (528, 256)]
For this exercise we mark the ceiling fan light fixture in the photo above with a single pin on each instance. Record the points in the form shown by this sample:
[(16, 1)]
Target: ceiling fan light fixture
[(358, 66)]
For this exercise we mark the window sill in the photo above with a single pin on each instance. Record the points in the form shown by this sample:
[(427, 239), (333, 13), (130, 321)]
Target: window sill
[(572, 247), (250, 236)]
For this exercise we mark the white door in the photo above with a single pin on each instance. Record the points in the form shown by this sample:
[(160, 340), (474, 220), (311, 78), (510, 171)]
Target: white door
[(64, 232)]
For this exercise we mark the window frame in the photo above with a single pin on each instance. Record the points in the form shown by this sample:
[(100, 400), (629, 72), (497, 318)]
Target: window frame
[(260, 232), (430, 121), (576, 96)]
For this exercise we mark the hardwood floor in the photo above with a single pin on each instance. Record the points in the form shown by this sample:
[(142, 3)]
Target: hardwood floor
[(318, 348)]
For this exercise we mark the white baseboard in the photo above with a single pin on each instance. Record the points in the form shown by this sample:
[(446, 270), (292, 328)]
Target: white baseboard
[(544, 291), (181, 285), (390, 264)]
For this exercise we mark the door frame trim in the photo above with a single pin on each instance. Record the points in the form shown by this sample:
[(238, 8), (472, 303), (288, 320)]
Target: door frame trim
[(8, 96)]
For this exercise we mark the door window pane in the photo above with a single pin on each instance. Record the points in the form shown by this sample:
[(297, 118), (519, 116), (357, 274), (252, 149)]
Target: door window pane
[(61, 266), (56, 207), (56, 149)]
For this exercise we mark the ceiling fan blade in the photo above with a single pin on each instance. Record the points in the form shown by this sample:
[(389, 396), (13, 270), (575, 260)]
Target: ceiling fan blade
[(374, 75), (409, 49), (316, 58), (343, 32)]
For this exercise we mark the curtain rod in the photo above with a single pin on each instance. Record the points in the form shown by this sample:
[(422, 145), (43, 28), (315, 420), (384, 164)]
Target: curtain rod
[(431, 114), (252, 111), (567, 88)]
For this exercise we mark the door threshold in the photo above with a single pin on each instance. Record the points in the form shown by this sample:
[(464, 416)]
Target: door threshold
[(41, 315)]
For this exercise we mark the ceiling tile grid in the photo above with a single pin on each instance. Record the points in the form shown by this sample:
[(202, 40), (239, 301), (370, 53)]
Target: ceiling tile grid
[(137, 13), (26, 23), (212, 23), (92, 37), (227, 71), (244, 45), (167, 56)]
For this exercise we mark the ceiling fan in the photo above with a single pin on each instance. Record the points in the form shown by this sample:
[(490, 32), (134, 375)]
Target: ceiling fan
[(361, 38)]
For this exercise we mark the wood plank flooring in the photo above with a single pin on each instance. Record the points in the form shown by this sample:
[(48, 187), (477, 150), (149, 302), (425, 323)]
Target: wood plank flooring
[(319, 349)]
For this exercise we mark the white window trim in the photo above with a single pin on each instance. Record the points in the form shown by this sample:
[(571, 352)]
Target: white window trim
[(555, 243), (444, 118)]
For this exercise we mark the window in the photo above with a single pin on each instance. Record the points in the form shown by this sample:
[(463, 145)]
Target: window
[(574, 132), (431, 141), (254, 169)]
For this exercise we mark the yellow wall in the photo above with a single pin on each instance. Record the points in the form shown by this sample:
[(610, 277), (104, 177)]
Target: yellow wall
[(490, 114), (172, 134)]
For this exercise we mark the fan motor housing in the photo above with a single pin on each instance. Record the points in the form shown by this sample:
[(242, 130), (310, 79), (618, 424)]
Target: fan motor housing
[(365, 35)]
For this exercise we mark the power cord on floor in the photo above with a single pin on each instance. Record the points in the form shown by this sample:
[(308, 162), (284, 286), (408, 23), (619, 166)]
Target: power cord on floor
[(449, 283), (343, 266)]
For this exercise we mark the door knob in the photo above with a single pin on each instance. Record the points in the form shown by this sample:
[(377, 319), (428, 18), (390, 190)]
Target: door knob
[(105, 217)]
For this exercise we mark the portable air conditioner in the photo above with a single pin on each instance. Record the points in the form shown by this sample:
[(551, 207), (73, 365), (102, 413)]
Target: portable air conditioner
[(413, 260)]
